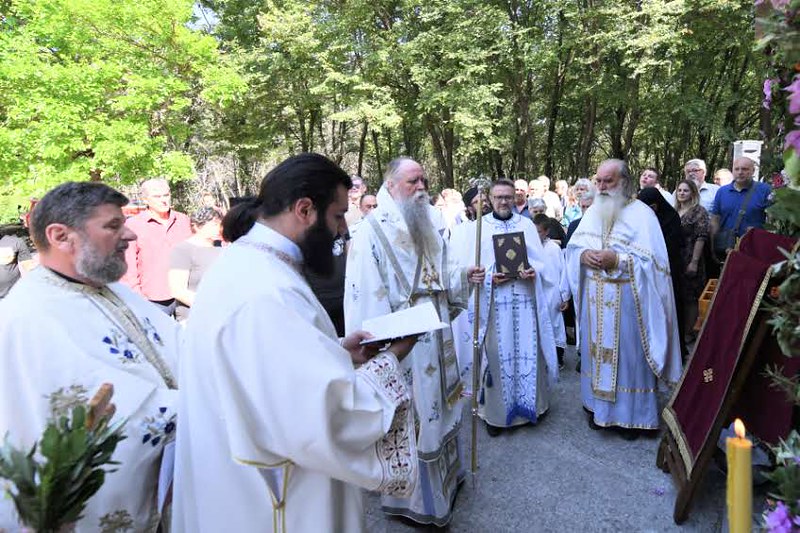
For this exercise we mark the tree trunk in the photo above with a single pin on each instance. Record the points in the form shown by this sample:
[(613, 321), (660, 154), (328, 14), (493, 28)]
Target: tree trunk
[(377, 145), (362, 145), (555, 97)]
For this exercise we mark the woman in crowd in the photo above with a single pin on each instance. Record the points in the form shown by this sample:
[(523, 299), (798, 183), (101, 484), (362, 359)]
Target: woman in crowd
[(572, 209), (694, 229), (191, 258)]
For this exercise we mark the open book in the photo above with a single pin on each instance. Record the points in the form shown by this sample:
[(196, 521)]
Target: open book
[(412, 321)]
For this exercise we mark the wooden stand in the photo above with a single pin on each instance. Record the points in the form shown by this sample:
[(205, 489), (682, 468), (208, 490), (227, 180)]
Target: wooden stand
[(669, 459)]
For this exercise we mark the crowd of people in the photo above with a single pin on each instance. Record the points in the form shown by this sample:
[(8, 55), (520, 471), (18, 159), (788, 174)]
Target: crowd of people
[(236, 347)]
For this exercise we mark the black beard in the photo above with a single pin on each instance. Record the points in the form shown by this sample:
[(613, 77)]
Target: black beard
[(317, 248)]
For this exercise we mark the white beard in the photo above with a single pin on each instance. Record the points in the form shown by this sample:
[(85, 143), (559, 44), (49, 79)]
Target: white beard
[(609, 205), (420, 227)]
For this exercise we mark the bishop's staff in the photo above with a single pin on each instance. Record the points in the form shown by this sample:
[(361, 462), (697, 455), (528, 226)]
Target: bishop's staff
[(480, 184)]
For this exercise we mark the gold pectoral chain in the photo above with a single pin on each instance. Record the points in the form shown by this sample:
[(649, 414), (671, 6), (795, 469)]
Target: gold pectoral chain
[(429, 277)]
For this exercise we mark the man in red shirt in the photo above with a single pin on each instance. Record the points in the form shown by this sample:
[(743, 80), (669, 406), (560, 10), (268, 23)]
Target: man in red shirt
[(158, 229)]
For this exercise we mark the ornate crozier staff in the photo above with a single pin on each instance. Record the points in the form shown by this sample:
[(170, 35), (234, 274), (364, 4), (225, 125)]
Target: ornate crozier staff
[(481, 184)]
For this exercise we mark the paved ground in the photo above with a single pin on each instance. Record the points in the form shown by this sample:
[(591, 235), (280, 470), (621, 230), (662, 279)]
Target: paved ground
[(562, 476)]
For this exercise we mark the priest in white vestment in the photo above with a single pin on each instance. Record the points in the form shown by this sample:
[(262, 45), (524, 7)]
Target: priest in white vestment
[(398, 259), (281, 431), (516, 330), (67, 328), (619, 273)]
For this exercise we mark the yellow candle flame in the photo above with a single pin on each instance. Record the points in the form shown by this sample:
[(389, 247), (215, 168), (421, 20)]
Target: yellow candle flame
[(738, 428)]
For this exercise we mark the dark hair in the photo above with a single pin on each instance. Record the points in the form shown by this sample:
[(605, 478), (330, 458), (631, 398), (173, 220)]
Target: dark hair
[(203, 216), (361, 200), (541, 219), (308, 175), (502, 182), (71, 204)]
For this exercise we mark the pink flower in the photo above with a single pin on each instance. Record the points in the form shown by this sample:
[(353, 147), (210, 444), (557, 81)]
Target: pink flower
[(793, 141), (794, 95), (767, 93), (779, 4)]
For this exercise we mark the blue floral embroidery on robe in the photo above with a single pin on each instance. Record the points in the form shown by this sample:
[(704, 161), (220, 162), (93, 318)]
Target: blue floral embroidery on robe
[(159, 428), (152, 332), (121, 346)]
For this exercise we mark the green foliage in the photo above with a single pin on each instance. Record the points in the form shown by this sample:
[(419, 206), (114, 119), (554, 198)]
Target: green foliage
[(784, 214), (499, 87), (52, 492), (787, 476), (101, 89)]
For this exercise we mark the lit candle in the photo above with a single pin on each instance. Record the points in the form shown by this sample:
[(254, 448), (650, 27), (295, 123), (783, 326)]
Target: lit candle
[(740, 481)]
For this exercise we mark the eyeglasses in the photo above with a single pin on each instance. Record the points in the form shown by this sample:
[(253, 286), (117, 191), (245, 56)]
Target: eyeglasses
[(503, 198)]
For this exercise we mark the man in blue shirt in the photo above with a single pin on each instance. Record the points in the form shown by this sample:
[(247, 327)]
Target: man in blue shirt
[(730, 200)]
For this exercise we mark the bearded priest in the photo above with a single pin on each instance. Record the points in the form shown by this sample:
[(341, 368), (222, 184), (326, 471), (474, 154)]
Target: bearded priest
[(67, 328), (281, 430), (618, 270), (397, 260), (516, 330)]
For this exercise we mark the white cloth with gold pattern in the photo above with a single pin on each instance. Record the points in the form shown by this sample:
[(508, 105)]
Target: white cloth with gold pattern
[(628, 324), (384, 274)]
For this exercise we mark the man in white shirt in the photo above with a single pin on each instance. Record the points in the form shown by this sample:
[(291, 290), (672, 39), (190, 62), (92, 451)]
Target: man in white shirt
[(695, 170), (651, 178)]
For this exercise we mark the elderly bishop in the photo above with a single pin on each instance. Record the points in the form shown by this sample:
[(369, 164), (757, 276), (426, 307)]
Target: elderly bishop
[(619, 273), (397, 260)]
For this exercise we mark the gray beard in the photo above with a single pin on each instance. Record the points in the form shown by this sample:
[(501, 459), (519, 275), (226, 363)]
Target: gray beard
[(99, 269), (420, 227)]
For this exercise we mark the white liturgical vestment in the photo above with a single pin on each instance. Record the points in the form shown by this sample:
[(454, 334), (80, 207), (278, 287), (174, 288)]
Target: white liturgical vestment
[(282, 432), (385, 274), (516, 332), (60, 341), (628, 324)]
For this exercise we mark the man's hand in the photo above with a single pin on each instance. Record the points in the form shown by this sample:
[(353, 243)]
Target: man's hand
[(527, 274), (608, 259), (499, 279), (360, 353), (402, 347), (590, 259), (563, 306), (476, 274), (691, 269), (599, 259)]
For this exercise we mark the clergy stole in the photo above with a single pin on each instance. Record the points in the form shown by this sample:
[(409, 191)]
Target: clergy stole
[(602, 304), (429, 284)]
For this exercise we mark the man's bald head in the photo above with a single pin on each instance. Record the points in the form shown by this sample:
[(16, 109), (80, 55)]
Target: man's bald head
[(743, 170)]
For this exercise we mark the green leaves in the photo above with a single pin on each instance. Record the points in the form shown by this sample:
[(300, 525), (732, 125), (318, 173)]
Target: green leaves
[(51, 488), (103, 86)]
